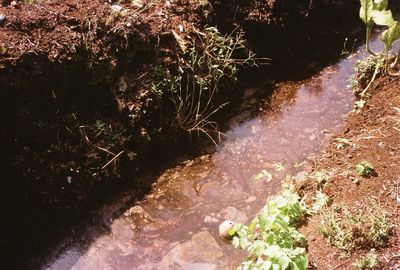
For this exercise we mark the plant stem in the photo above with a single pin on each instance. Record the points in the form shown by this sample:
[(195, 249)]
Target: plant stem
[(386, 62), (396, 61), (367, 37), (378, 66)]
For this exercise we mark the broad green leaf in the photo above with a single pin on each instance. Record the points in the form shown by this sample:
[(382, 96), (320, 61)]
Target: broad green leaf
[(300, 262), (391, 35), (380, 4), (383, 17), (271, 238), (253, 225), (267, 265), (276, 266), (367, 6), (243, 243), (235, 242), (284, 261), (263, 221), (268, 238), (257, 248), (282, 225)]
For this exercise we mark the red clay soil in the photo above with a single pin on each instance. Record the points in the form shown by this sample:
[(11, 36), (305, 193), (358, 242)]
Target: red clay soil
[(61, 30), (374, 134)]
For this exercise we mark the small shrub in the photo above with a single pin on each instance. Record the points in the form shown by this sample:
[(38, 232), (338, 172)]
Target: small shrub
[(342, 143), (364, 73), (365, 168), (207, 64), (320, 201), (320, 177), (271, 239), (348, 230), (369, 261), (374, 12)]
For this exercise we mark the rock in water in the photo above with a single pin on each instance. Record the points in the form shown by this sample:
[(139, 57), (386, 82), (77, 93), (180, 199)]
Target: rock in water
[(224, 228)]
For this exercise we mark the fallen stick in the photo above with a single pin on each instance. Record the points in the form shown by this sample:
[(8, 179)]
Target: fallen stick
[(114, 158)]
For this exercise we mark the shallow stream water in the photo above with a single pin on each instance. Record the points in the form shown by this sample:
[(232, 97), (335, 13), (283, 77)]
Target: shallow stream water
[(176, 225)]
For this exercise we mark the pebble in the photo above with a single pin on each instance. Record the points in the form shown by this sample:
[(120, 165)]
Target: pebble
[(210, 219), (231, 213), (251, 199)]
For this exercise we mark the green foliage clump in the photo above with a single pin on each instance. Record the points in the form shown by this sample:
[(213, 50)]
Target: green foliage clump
[(341, 143), (271, 239), (364, 72), (375, 12), (369, 227), (207, 63), (365, 168), (320, 201), (169, 83), (369, 261)]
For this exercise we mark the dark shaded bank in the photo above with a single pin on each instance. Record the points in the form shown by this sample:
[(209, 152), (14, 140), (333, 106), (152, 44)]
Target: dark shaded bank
[(298, 36), (78, 118)]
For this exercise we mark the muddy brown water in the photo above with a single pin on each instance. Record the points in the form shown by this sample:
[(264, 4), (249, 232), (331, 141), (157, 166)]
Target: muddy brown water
[(176, 225)]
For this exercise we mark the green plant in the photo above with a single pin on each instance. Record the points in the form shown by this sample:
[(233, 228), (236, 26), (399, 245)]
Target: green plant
[(3, 50), (369, 261), (368, 227), (374, 12), (366, 71), (169, 84), (389, 37), (321, 177), (264, 175), (278, 167), (99, 126), (365, 168), (207, 64), (299, 164), (104, 135), (341, 143), (320, 201), (271, 239)]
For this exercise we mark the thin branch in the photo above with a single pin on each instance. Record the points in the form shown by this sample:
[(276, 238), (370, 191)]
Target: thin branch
[(114, 158)]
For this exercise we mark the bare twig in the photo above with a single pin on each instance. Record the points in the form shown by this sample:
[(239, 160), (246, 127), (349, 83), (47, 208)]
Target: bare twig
[(376, 72), (111, 160), (105, 150)]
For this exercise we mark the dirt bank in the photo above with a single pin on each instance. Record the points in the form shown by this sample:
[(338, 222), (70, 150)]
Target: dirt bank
[(78, 117), (287, 30), (373, 135)]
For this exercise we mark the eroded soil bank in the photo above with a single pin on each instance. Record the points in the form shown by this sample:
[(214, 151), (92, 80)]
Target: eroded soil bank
[(75, 83), (374, 136)]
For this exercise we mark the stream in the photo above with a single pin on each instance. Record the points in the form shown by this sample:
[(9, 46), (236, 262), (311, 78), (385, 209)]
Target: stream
[(176, 225)]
